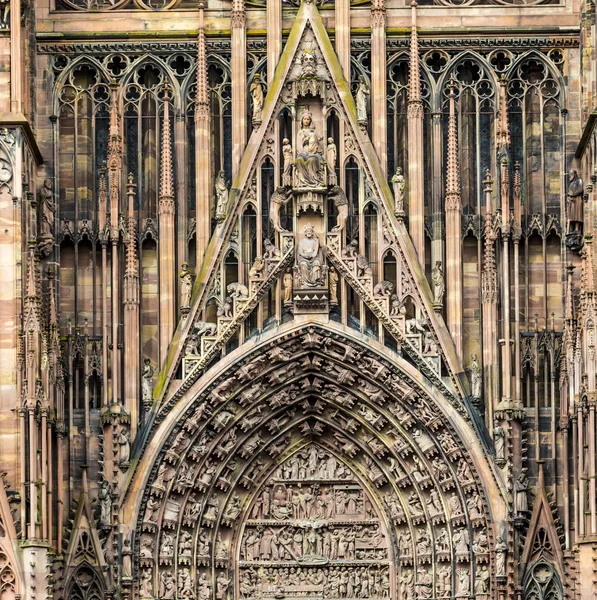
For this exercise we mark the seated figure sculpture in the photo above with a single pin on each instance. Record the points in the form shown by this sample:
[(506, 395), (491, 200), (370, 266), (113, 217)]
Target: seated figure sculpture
[(309, 260), (309, 162)]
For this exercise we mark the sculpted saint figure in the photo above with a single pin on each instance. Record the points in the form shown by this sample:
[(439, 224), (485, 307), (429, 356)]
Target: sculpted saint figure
[(362, 98), (186, 285), (476, 378), (333, 279), (287, 281), (147, 382), (287, 154), (221, 196), (309, 259), (279, 197), (439, 284), (399, 185), (574, 201), (256, 91), (331, 154), (308, 164)]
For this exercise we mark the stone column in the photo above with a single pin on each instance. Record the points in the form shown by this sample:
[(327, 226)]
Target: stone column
[(416, 168), (453, 228), (274, 37), (238, 48), (131, 314), (342, 14), (202, 148), (378, 82), (167, 237)]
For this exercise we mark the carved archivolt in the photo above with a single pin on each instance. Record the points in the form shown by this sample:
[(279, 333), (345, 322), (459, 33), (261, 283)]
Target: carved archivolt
[(313, 467)]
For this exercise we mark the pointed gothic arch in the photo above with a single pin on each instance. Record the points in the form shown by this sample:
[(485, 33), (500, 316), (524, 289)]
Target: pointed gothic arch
[(234, 429)]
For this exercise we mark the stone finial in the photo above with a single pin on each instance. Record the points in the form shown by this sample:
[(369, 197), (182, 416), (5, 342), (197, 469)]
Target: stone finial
[(166, 202), (453, 201)]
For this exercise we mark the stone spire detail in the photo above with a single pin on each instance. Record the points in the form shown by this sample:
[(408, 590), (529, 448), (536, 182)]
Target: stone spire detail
[(502, 131), (167, 254), (131, 313), (453, 198), (378, 81), (416, 199), (238, 72), (453, 227), (166, 202), (114, 160), (201, 93)]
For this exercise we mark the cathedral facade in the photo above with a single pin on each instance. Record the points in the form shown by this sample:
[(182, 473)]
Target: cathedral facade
[(300, 300)]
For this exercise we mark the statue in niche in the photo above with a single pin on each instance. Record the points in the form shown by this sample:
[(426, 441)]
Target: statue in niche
[(124, 446), (287, 169), (398, 185), (221, 196), (146, 583), (309, 259), (127, 554), (47, 211), (337, 195), (482, 581), (499, 442), (147, 382), (105, 502), (439, 283), (333, 281), (521, 500), (407, 585), (186, 286), (222, 583), (287, 282), (204, 588), (574, 202), (463, 584), (281, 196), (476, 376), (185, 584), (362, 99), (331, 155), (167, 585), (309, 163), (500, 557), (444, 577), (257, 97)]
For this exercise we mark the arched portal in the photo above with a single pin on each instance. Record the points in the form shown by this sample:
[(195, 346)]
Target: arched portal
[(313, 465)]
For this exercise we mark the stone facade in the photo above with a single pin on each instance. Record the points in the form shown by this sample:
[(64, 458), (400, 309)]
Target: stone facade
[(298, 300)]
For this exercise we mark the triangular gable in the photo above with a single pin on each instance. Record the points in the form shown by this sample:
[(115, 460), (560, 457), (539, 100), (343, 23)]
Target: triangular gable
[(542, 525), (308, 17)]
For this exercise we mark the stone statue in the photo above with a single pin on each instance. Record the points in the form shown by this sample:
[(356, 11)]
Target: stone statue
[(331, 155), (257, 268), (287, 283), (5, 14), (309, 259), (124, 444), (463, 583), (256, 91), (186, 286), (362, 99), (221, 197), (287, 169), (270, 252), (574, 202), (363, 268), (225, 308), (476, 377), (167, 585), (105, 502), (127, 555), (47, 211), (237, 290), (439, 284), (499, 441), (309, 163), (482, 581), (521, 501), (500, 557), (146, 585), (281, 196), (333, 281), (398, 185), (383, 288), (341, 203), (222, 583), (147, 382)]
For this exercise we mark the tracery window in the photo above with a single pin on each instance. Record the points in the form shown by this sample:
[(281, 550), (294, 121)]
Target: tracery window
[(542, 583), (85, 585), (7, 578)]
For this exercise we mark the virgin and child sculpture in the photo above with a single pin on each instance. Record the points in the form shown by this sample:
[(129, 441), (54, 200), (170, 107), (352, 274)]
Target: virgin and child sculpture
[(309, 162)]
